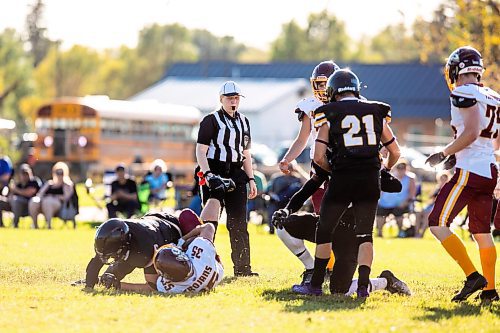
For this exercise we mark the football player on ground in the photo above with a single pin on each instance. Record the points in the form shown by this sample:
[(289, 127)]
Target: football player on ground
[(126, 244), (475, 121), (353, 127), (302, 226), (191, 265)]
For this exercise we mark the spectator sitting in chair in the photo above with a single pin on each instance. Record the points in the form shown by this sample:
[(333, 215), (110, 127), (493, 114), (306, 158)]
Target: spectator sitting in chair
[(22, 192), (157, 180), (397, 203), (52, 195), (123, 194)]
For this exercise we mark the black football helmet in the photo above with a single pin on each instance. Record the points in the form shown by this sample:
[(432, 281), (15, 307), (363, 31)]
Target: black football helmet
[(465, 59), (341, 81), (112, 241), (321, 73), (173, 264)]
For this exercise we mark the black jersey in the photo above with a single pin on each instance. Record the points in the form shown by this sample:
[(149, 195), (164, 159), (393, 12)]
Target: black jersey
[(147, 234), (355, 129)]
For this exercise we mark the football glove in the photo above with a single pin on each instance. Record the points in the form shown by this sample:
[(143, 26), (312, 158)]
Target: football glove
[(280, 217), (435, 159), (450, 162), (108, 280), (389, 183), (217, 183)]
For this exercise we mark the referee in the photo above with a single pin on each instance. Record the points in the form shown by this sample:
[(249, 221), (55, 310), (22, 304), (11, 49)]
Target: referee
[(223, 149)]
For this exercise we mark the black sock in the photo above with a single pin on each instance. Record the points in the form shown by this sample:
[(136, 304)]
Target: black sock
[(364, 275), (474, 275), (298, 199), (319, 271)]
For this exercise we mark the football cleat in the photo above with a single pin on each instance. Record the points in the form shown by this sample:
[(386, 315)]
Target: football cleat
[(307, 276), (487, 296), (362, 292), (471, 285), (395, 285), (307, 289)]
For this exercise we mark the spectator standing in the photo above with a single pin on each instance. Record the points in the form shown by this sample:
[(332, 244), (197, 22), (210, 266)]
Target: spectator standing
[(123, 194)]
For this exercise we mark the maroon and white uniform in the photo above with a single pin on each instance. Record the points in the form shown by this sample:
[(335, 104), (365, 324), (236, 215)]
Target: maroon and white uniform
[(476, 173), (305, 110), (208, 271)]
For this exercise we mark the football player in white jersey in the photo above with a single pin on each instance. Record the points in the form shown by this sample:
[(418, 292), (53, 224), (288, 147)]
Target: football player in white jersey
[(305, 113), (191, 265), (475, 120)]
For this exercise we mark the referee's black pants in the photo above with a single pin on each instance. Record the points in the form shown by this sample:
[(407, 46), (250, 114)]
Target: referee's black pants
[(235, 203)]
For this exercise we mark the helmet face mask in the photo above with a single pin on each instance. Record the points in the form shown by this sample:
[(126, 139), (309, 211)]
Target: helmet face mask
[(112, 241), (463, 60), (173, 264), (319, 78)]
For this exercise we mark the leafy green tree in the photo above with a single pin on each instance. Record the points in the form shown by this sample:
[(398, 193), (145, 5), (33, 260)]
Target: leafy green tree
[(39, 44), (15, 71), (291, 44)]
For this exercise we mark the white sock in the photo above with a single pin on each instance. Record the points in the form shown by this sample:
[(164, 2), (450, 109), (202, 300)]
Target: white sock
[(375, 284), (297, 247)]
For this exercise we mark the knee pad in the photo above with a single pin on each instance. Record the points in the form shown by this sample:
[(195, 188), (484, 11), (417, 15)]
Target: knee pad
[(364, 238)]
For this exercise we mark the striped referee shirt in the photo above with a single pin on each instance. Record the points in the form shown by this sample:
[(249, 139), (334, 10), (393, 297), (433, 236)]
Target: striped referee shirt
[(225, 136)]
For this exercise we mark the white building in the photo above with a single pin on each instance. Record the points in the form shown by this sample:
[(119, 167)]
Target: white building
[(269, 103)]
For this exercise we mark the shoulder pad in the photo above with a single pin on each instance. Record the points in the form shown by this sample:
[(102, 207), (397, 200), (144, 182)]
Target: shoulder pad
[(466, 90), (308, 105)]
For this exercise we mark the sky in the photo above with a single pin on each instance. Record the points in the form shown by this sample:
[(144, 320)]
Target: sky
[(102, 24)]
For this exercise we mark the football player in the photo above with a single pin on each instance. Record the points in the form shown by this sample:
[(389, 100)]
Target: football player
[(475, 121), (126, 244), (302, 226), (305, 113), (191, 265), (353, 127)]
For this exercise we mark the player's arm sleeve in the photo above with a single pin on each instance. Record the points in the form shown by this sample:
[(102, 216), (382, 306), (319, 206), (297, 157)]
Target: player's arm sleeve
[(207, 130), (319, 117), (92, 272), (462, 101), (385, 110)]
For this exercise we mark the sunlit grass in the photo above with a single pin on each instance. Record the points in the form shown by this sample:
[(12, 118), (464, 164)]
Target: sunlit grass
[(36, 267)]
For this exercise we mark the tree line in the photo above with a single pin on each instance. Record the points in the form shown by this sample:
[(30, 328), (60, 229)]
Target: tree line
[(34, 68)]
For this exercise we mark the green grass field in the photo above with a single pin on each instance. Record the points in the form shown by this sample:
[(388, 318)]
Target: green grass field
[(37, 266)]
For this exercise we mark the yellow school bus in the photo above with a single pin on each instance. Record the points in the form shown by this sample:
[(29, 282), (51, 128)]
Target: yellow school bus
[(95, 133)]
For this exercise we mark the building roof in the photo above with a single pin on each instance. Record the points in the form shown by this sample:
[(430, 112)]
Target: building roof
[(413, 90), (203, 92)]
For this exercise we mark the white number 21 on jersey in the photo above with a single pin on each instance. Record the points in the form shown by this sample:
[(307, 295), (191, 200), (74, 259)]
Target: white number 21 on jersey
[(353, 124)]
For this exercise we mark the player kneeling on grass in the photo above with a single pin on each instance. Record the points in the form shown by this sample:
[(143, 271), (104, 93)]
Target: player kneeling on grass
[(302, 226), (190, 266)]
